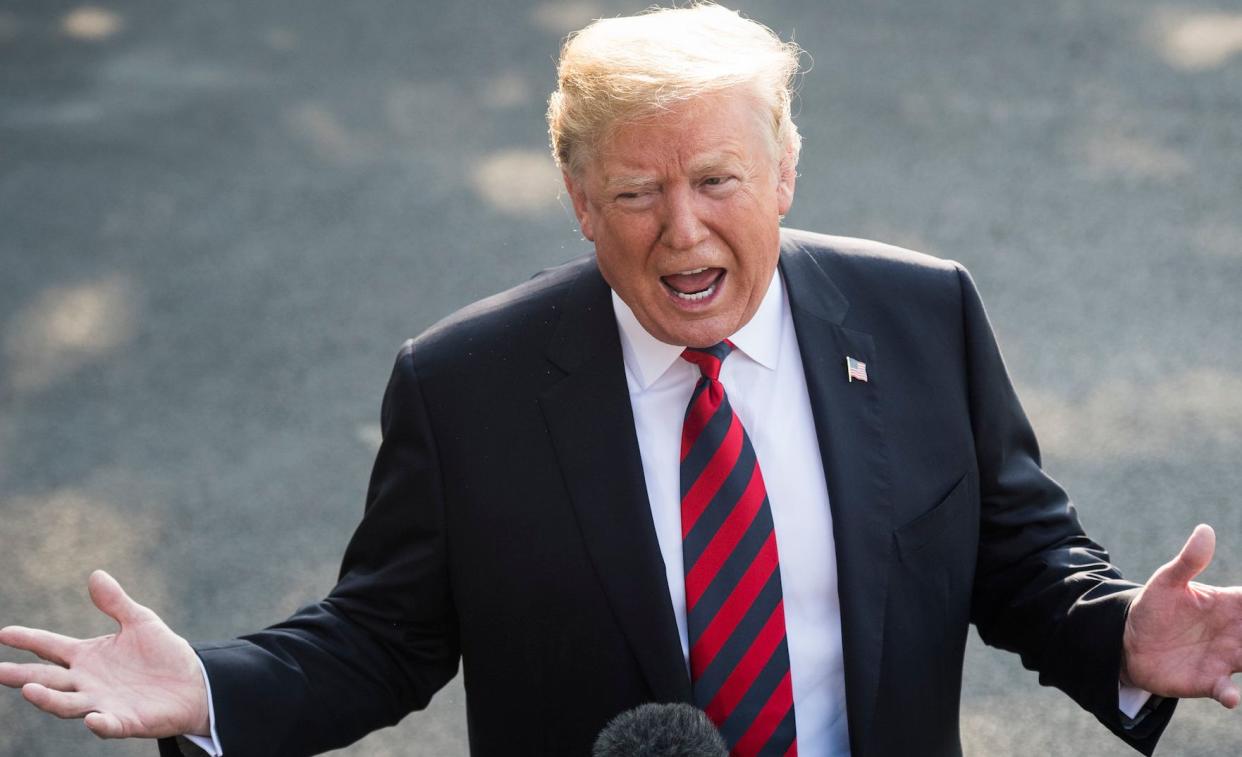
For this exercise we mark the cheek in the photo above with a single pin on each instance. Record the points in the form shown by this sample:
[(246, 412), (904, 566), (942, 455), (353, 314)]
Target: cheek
[(755, 247), (621, 264), (628, 237)]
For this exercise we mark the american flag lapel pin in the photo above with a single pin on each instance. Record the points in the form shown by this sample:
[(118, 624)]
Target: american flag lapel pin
[(855, 370)]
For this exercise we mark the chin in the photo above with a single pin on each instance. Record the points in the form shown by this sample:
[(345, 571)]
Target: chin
[(704, 336)]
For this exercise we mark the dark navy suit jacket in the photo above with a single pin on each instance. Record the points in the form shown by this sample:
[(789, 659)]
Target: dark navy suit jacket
[(507, 526)]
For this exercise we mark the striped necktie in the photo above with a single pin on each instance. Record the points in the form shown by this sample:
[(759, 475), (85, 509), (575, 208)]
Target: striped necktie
[(739, 656)]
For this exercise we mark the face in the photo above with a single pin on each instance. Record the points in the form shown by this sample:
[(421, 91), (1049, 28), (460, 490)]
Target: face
[(684, 210)]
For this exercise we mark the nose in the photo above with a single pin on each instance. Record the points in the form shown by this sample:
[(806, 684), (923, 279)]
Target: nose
[(683, 228)]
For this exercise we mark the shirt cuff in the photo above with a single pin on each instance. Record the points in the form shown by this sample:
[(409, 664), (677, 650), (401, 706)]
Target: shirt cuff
[(1130, 701), (209, 745)]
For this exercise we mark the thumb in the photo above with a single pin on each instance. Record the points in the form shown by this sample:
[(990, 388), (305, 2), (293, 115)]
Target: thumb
[(105, 725), (1193, 558), (1226, 692), (112, 600)]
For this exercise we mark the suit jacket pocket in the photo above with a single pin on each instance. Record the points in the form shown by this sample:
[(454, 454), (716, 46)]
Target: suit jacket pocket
[(927, 528)]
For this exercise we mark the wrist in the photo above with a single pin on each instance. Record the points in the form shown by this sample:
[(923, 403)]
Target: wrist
[(1127, 636), (1124, 674), (201, 720), (200, 698)]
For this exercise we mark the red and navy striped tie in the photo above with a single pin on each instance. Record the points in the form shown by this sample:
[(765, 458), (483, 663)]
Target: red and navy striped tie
[(739, 656)]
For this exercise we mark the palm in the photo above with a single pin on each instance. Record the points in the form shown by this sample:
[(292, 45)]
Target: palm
[(141, 681), (1184, 639), (139, 676)]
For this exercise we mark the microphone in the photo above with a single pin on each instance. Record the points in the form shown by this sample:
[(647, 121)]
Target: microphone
[(661, 730)]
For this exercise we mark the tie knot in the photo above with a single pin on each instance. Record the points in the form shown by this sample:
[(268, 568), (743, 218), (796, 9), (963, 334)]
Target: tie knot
[(709, 359)]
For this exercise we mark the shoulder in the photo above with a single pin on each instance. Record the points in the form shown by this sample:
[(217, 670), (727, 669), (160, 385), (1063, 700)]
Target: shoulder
[(865, 257), (876, 277), (505, 324)]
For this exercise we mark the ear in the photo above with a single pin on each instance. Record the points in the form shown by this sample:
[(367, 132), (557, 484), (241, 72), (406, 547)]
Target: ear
[(786, 179), (582, 209)]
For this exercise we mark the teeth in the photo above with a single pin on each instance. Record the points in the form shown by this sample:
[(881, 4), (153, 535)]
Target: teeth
[(688, 273), (697, 295)]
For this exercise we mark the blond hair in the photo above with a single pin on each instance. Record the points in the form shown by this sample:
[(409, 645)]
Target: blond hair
[(623, 69)]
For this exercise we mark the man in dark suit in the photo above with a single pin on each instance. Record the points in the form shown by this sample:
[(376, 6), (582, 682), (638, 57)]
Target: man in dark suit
[(855, 472)]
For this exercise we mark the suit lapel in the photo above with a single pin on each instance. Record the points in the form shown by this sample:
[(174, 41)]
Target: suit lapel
[(852, 446), (592, 427)]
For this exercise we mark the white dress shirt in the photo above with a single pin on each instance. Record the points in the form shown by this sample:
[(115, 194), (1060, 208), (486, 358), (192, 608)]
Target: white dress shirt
[(766, 386)]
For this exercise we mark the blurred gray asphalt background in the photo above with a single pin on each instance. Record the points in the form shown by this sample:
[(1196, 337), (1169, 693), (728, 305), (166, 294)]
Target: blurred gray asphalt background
[(219, 220)]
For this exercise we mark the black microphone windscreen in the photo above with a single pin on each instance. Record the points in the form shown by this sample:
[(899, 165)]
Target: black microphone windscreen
[(661, 730)]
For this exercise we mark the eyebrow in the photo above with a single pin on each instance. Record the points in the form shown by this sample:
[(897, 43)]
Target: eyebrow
[(705, 164), (627, 183), (713, 162)]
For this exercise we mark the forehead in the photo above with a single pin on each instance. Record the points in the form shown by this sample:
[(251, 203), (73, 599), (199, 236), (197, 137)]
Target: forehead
[(709, 131)]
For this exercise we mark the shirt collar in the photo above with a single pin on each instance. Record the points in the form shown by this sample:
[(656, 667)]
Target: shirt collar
[(647, 358)]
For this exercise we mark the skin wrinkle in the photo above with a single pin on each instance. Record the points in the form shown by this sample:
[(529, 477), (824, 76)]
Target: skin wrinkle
[(724, 163), (781, 136)]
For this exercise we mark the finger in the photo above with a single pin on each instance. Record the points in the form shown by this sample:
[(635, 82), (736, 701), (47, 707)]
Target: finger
[(1226, 692), (1193, 559), (62, 704), (112, 600), (50, 646), (15, 676), (105, 725)]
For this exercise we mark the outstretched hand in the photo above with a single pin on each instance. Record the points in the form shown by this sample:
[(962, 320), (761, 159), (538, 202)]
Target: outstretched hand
[(142, 681), (1183, 638)]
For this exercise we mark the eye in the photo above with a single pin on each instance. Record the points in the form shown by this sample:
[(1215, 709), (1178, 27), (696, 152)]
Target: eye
[(715, 182), (638, 199)]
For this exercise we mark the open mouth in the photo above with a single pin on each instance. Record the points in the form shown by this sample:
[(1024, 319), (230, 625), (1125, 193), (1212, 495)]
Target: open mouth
[(694, 285)]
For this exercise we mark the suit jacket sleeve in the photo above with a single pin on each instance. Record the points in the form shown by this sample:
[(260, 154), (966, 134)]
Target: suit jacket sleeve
[(1042, 588), (383, 641)]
